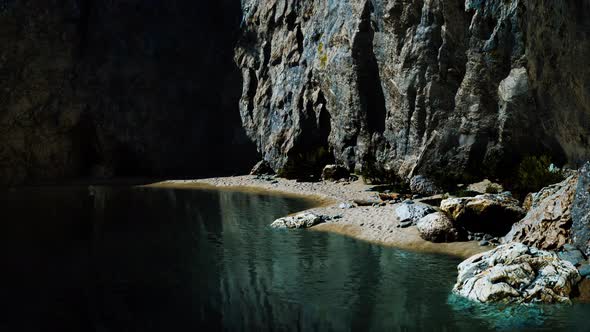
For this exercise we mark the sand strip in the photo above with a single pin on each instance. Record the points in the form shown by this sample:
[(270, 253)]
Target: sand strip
[(372, 224)]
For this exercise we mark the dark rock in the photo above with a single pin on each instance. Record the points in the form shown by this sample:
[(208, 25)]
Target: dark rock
[(584, 270), (363, 202), (490, 213), (389, 197), (484, 243), (405, 224), (425, 186), (581, 211), (114, 89), (262, 168), (575, 256), (334, 172)]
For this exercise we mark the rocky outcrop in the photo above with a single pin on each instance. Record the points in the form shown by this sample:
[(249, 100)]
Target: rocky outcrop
[(301, 220), (516, 273), (437, 227), (95, 88), (548, 222), (581, 211), (492, 214), (441, 88)]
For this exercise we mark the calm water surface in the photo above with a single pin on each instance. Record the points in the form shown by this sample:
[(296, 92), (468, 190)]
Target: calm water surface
[(145, 259)]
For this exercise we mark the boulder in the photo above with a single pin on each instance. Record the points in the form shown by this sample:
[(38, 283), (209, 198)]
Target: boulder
[(334, 172), (425, 186), (301, 220), (489, 213), (485, 187), (410, 211), (437, 227), (262, 168), (547, 224), (516, 273), (580, 211)]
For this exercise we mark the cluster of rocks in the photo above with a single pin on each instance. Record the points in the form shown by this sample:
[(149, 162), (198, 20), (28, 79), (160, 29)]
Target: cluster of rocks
[(523, 269), (484, 218)]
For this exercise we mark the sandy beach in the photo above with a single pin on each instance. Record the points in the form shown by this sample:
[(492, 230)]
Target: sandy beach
[(376, 224)]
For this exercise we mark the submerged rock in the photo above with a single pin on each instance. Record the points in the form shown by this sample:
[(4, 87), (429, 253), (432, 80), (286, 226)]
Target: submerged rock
[(409, 211), (437, 227), (301, 220), (548, 222), (516, 273), (489, 213)]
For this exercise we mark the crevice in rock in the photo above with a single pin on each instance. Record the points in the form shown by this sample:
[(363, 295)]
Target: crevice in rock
[(251, 93), (372, 99)]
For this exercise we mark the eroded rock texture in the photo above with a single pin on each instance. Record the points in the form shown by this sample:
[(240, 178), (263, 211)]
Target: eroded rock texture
[(516, 273), (118, 88), (548, 223), (435, 87)]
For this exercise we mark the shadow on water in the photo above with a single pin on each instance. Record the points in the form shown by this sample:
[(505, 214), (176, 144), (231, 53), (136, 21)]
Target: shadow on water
[(154, 259)]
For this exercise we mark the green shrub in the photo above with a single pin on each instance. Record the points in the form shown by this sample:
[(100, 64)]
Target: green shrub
[(534, 173)]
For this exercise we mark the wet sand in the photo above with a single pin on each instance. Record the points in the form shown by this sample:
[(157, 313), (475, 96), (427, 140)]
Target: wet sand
[(372, 224)]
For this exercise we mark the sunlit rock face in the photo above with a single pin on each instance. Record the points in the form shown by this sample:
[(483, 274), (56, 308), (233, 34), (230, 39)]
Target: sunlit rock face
[(442, 87), (103, 88)]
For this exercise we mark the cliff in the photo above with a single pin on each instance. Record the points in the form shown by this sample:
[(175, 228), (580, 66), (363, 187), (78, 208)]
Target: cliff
[(393, 88), (446, 88), (119, 88)]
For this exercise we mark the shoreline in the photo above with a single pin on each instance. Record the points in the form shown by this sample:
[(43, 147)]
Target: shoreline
[(376, 225)]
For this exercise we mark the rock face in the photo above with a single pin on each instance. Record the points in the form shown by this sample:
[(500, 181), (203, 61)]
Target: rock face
[(302, 220), (581, 211), (490, 213), (516, 273), (119, 88), (424, 186), (548, 222), (437, 227), (439, 88)]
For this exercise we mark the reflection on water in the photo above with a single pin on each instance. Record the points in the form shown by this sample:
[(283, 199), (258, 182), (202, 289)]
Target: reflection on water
[(141, 259)]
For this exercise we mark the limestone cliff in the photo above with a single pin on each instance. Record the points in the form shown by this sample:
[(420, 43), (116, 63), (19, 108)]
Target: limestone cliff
[(441, 88), (408, 87)]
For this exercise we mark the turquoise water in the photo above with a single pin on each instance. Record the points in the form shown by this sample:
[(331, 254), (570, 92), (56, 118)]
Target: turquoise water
[(146, 259)]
